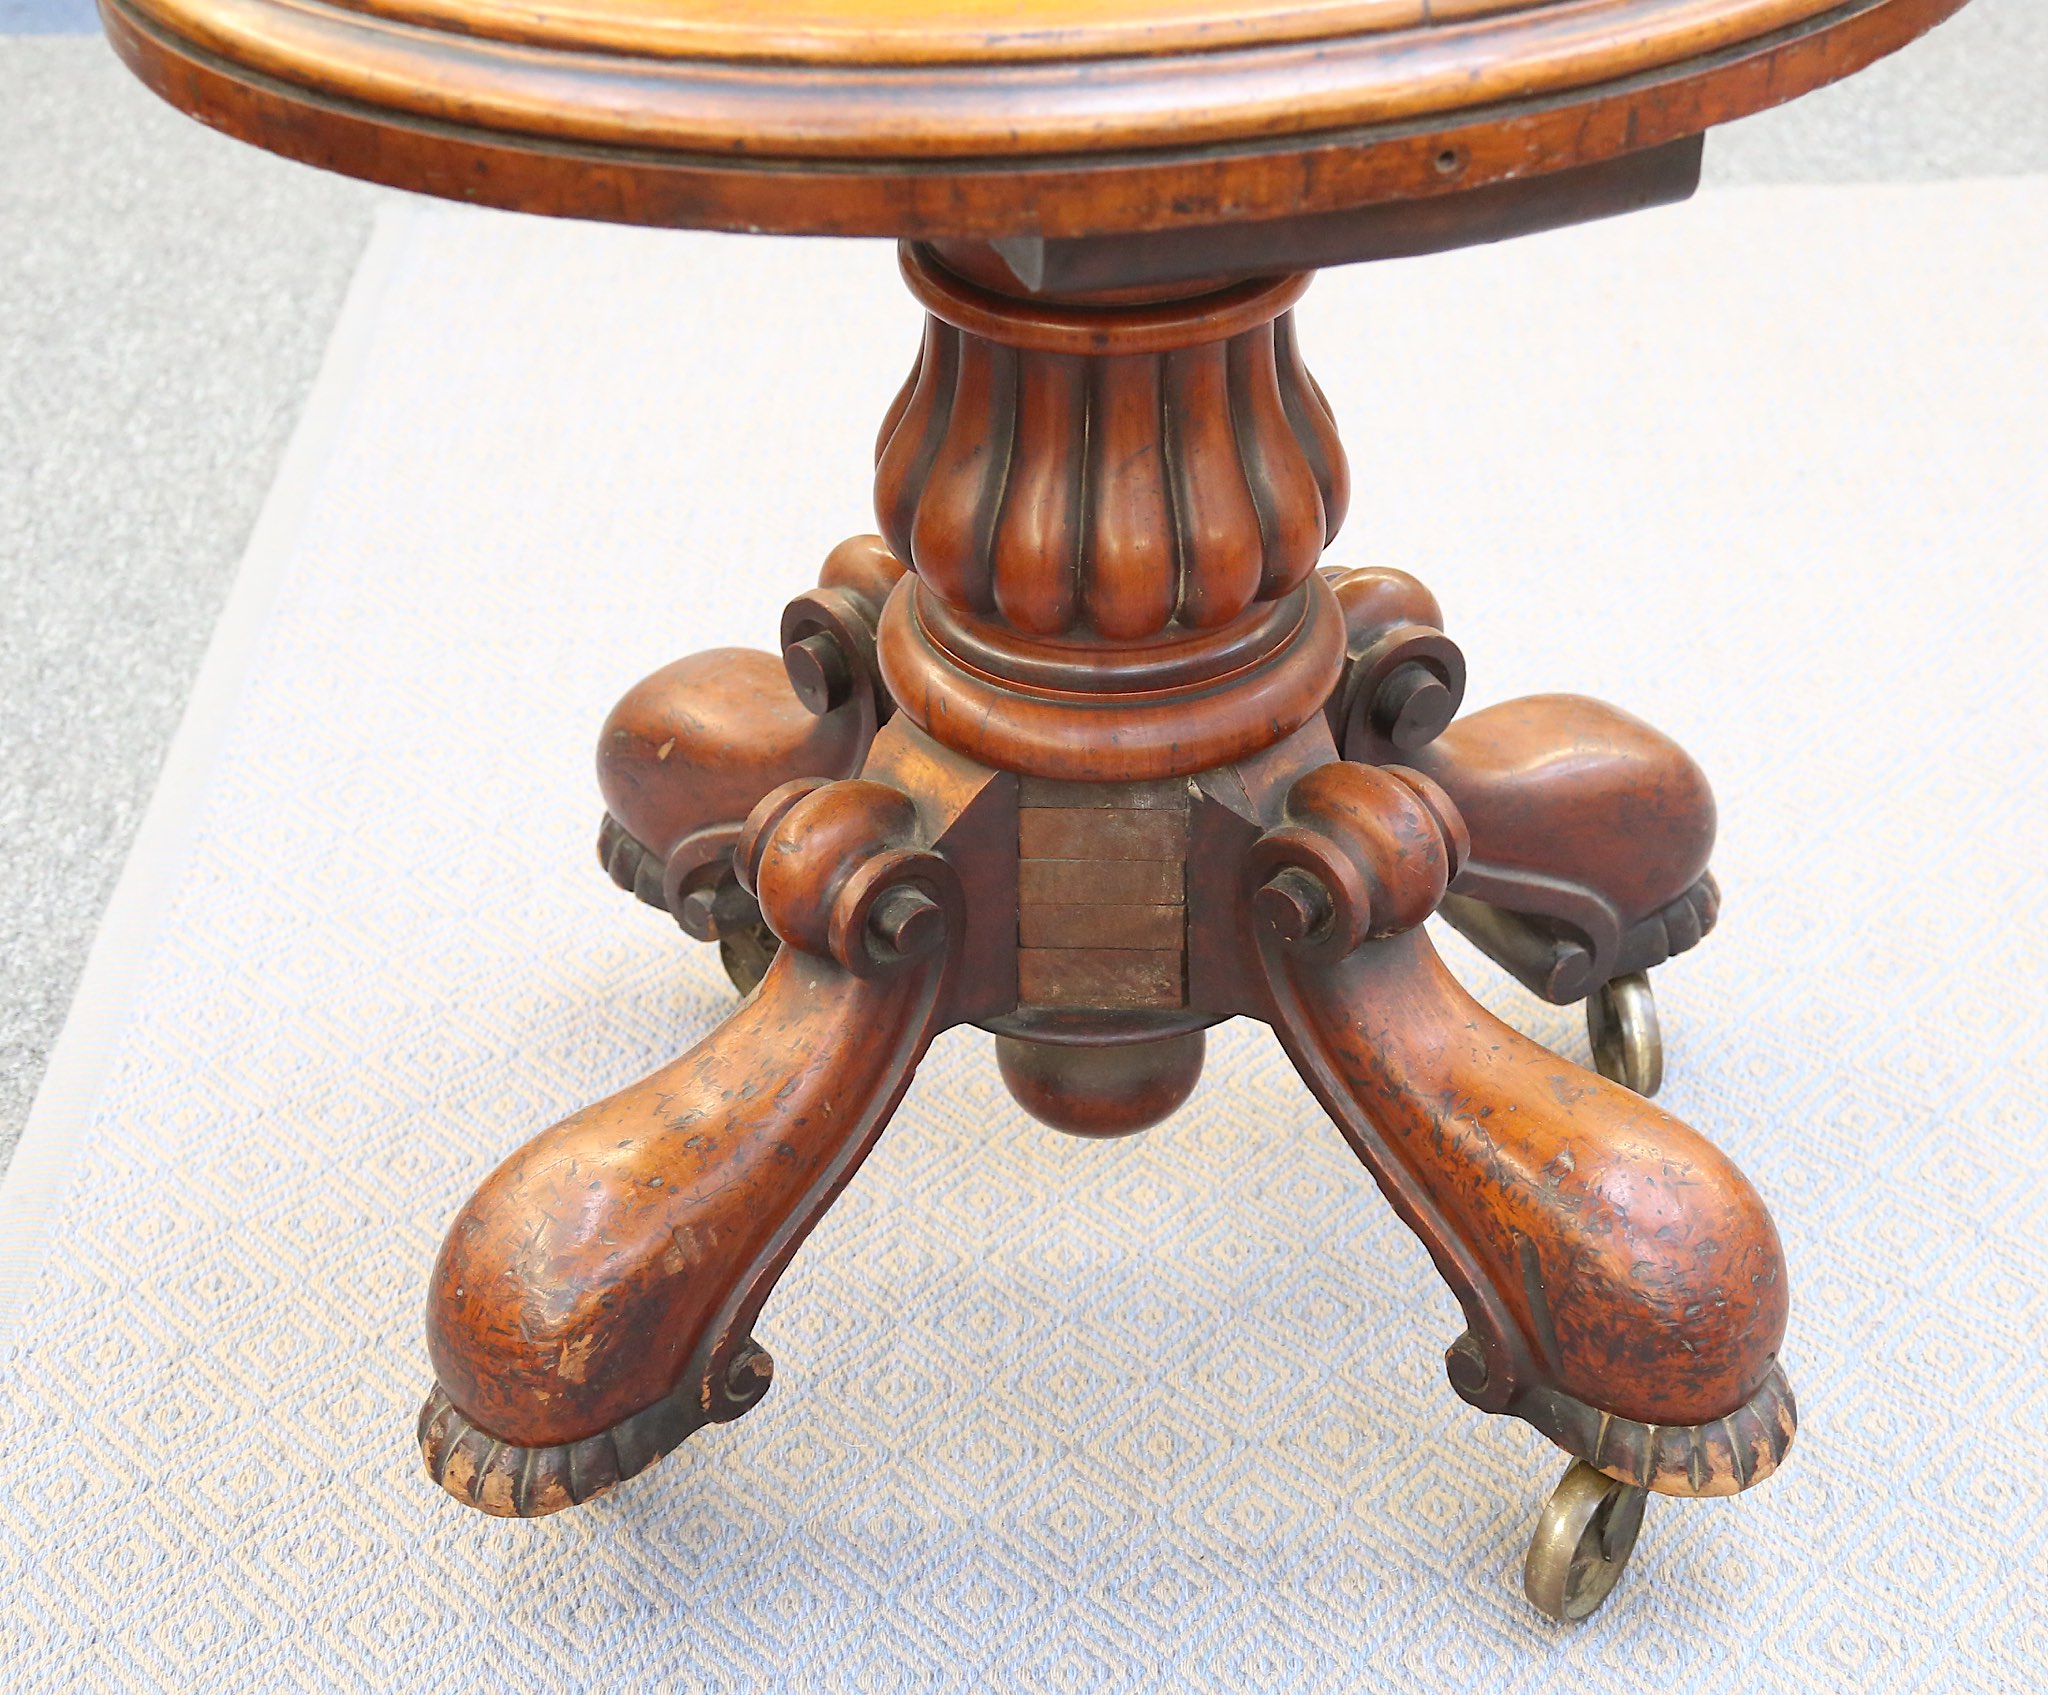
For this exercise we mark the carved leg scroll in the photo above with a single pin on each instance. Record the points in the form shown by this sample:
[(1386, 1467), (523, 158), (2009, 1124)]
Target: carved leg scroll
[(594, 1301), (1590, 831), (1590, 838), (1623, 1286), (689, 751)]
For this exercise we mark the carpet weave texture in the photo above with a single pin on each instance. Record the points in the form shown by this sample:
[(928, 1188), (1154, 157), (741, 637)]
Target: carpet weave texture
[(1166, 1413)]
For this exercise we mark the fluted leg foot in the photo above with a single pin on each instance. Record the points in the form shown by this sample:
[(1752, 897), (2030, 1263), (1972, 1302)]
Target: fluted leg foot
[(1623, 1285), (594, 1300)]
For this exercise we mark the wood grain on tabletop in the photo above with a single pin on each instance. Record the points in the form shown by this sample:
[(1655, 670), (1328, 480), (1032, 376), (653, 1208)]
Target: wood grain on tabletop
[(957, 118)]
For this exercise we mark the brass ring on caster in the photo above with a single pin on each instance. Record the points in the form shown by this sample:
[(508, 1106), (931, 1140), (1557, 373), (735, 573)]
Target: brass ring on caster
[(1582, 1543), (746, 951), (1621, 1023), (746, 946)]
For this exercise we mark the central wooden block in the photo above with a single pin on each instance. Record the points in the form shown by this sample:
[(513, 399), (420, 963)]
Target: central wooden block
[(1102, 894)]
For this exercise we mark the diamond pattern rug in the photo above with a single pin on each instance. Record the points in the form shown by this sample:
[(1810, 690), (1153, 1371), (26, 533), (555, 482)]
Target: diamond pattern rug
[(1160, 1414)]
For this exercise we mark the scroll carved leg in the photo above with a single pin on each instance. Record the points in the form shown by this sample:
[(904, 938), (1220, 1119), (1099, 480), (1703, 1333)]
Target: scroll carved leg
[(1590, 830), (593, 1302), (1623, 1285), (1590, 838), (688, 752)]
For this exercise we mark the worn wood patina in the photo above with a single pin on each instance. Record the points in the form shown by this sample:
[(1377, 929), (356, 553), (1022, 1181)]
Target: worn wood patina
[(1084, 748)]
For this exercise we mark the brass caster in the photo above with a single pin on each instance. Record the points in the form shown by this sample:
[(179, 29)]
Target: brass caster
[(1621, 1023), (1583, 1540), (725, 911), (745, 943), (746, 951)]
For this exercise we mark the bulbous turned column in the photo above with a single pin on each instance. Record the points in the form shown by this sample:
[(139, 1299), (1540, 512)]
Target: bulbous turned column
[(1113, 511)]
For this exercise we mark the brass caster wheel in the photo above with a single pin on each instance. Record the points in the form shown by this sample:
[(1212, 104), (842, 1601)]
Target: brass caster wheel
[(1621, 1023), (725, 911), (1582, 1542), (746, 951)]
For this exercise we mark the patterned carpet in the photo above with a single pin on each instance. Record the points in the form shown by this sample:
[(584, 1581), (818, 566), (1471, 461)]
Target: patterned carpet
[(1161, 1414)]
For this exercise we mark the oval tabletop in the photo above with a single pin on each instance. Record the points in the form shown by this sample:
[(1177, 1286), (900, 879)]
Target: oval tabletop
[(981, 117)]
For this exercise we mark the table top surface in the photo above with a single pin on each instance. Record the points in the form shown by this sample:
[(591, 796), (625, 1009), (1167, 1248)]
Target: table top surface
[(981, 117), (1005, 32)]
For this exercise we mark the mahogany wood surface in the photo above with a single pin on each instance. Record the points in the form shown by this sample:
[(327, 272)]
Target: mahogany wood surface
[(949, 118), (1623, 1286), (1128, 764)]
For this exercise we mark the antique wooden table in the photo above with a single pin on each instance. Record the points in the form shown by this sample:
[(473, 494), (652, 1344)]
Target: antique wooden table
[(1083, 749)]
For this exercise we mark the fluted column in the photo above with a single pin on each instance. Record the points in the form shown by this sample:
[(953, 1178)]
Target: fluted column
[(1104, 500), (1109, 472)]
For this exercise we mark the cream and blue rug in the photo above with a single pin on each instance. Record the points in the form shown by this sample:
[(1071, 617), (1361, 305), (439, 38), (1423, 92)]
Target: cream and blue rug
[(1166, 1414)]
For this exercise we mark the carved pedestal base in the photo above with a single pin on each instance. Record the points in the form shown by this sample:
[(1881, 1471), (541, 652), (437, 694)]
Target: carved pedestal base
[(1115, 763)]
